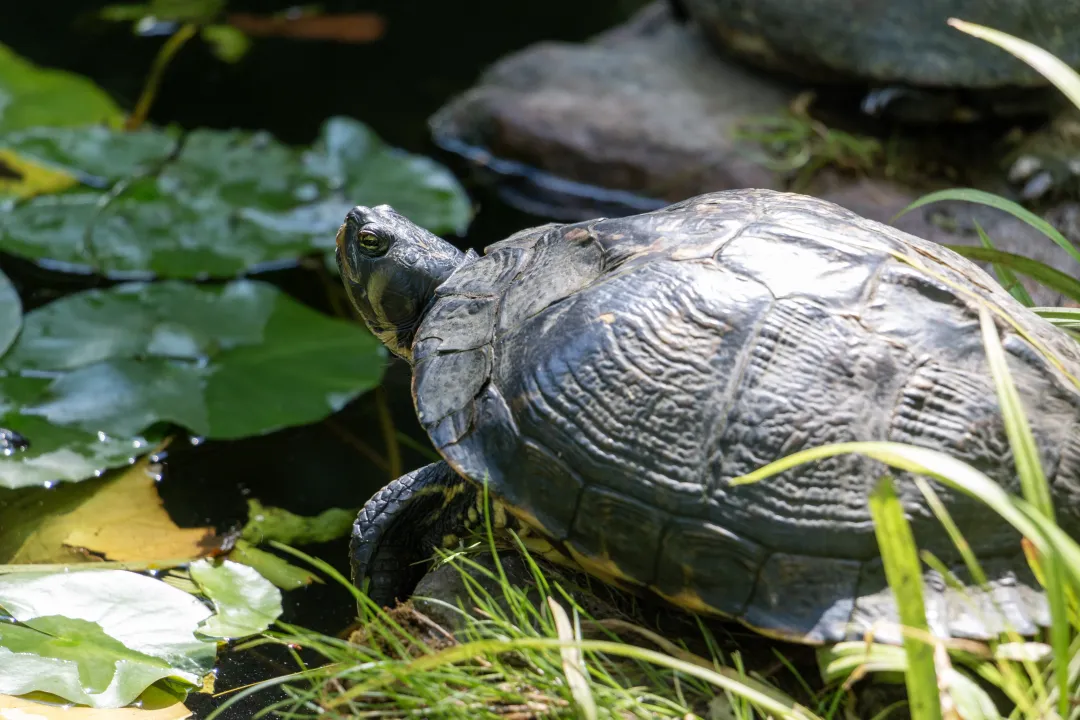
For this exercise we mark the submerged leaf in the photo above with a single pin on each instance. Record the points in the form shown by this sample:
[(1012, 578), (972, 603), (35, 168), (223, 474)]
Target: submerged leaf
[(273, 567), (272, 523), (35, 96), (94, 373), (246, 602)]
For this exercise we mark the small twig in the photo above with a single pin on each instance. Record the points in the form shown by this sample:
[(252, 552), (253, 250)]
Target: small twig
[(157, 71), (393, 450)]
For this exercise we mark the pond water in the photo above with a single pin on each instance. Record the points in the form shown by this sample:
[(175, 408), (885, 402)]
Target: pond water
[(431, 51)]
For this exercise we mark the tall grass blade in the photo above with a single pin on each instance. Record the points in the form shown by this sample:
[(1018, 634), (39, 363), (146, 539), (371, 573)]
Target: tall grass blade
[(982, 197), (1068, 318), (1044, 534), (1025, 453), (1044, 274), (1050, 67), (1005, 276), (572, 662), (904, 573), (1037, 492)]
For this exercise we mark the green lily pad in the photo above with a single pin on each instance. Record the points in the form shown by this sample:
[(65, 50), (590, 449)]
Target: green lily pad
[(32, 96), (10, 313), (98, 637), (225, 203), (75, 660), (246, 602), (98, 155), (93, 376)]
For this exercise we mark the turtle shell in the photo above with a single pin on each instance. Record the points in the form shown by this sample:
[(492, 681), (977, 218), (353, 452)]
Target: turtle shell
[(891, 42), (608, 379)]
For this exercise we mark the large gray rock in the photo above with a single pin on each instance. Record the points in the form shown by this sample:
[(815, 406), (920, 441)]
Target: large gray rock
[(641, 115)]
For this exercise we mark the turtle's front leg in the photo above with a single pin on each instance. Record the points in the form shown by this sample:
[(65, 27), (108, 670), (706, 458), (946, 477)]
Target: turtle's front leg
[(397, 531)]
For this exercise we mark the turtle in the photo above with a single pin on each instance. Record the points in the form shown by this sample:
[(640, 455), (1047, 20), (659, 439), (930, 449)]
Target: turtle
[(904, 52), (603, 382)]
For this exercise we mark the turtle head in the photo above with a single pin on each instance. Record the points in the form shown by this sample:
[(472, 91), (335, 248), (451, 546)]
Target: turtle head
[(391, 268)]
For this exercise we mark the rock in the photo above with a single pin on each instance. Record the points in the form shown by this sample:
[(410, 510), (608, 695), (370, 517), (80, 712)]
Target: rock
[(639, 117)]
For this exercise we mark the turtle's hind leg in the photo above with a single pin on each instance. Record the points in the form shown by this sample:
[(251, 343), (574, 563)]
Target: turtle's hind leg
[(397, 531)]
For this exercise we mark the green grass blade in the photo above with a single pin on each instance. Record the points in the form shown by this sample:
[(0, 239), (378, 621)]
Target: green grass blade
[(984, 198), (1044, 274), (904, 574), (1032, 524), (1025, 453), (1050, 67), (1036, 490), (1005, 276), (1068, 318)]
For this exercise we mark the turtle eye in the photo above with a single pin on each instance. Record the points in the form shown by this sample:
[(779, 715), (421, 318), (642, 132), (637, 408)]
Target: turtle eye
[(371, 244)]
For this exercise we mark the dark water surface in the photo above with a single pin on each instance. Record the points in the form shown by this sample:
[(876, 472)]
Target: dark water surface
[(432, 50)]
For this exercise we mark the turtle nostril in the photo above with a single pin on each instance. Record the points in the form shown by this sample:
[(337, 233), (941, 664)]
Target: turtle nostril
[(357, 217)]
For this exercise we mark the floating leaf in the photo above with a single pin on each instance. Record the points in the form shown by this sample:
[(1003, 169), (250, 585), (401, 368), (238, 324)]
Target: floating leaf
[(370, 172), (98, 637), (93, 374), (10, 313), (97, 155), (33, 96), (75, 660), (271, 523), (125, 521), (246, 602), (227, 202), (25, 530), (23, 709), (272, 567)]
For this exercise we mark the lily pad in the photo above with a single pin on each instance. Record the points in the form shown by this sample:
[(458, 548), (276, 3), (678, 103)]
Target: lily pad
[(32, 96), (10, 313), (246, 602), (98, 637), (224, 203), (93, 376)]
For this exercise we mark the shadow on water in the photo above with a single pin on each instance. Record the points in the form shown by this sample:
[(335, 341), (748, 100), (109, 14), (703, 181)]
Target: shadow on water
[(431, 51)]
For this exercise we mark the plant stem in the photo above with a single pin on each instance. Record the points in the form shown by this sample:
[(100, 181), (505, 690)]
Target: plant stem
[(393, 450), (157, 70)]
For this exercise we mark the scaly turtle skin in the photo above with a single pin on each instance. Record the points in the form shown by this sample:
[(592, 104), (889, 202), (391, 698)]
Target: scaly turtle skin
[(609, 378)]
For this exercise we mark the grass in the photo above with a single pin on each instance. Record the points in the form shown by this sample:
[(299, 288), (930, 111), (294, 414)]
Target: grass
[(537, 648), (524, 649)]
